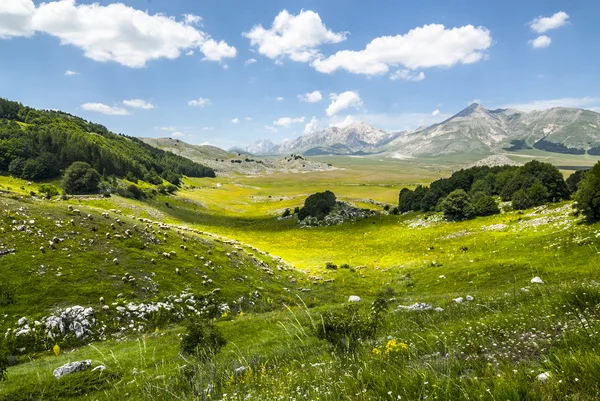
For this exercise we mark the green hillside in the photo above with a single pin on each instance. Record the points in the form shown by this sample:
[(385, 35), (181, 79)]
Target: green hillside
[(39, 144)]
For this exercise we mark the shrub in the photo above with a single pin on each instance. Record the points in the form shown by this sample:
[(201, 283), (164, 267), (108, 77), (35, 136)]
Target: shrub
[(521, 200), (345, 330), (457, 205), (3, 359), (588, 195), (330, 266), (7, 294), (48, 190), (317, 205), (484, 205), (286, 213), (202, 339), (80, 178)]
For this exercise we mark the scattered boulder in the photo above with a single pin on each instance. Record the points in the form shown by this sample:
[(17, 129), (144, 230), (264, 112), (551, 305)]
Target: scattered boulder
[(353, 298), (458, 300), (72, 367), (417, 306)]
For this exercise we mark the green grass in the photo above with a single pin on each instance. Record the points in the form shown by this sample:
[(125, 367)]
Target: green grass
[(492, 348)]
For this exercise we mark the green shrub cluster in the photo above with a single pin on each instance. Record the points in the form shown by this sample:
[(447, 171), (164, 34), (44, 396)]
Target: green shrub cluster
[(472, 190), (317, 205)]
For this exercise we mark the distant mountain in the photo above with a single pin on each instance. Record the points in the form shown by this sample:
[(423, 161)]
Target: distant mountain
[(260, 147), (478, 130), (336, 140)]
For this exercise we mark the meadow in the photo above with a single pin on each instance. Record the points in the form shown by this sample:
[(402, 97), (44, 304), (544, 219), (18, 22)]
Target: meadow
[(506, 339)]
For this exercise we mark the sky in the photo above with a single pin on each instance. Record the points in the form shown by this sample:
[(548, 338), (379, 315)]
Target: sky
[(230, 72)]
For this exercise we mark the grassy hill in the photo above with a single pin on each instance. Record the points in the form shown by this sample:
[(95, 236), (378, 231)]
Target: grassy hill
[(495, 346)]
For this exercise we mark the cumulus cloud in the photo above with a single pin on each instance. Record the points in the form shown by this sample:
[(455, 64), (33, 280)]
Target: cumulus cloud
[(248, 119), (348, 120), (423, 47), (190, 53), (235, 120), (114, 32), (311, 97), (343, 101), (573, 102), (279, 98), (70, 73), (270, 128), (540, 42), (407, 75), (435, 113), (312, 126), (297, 37), (169, 128), (544, 24), (191, 19), (250, 61), (287, 121), (177, 134), (200, 102), (104, 109), (138, 104)]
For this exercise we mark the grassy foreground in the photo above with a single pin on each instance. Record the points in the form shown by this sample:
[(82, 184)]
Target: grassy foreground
[(514, 341)]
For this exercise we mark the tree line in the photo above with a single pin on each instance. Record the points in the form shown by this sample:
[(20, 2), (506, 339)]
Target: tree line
[(471, 192), (40, 144)]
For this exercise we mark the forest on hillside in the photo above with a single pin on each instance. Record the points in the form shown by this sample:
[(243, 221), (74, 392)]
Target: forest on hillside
[(40, 144)]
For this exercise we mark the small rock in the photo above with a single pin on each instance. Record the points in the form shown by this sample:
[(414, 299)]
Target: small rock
[(100, 368), (470, 298), (543, 377), (353, 298), (438, 309), (537, 280), (72, 367), (458, 300)]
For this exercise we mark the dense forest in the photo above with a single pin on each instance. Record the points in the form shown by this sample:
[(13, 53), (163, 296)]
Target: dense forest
[(530, 185), (39, 144)]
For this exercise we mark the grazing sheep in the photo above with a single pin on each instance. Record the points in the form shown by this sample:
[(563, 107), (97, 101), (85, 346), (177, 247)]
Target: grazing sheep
[(76, 211), (153, 261), (42, 249), (116, 261), (177, 271), (70, 208)]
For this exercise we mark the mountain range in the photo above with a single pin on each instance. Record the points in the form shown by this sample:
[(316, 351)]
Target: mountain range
[(472, 130)]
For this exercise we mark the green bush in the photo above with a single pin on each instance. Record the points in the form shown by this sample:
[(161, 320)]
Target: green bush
[(80, 178), (3, 359), (48, 190), (457, 206), (484, 205), (317, 205), (202, 339), (588, 195), (521, 200)]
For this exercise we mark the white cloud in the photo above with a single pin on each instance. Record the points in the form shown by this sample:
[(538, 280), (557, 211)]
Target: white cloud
[(407, 75), (543, 24), (476, 100), (15, 18), (138, 104), (104, 109), (348, 120), (295, 36), (248, 118), (573, 102), (435, 113), (201, 102), (235, 120), (343, 101), (70, 73), (225, 66), (169, 128), (114, 32), (423, 47), (208, 128), (177, 134), (541, 41), (312, 97), (250, 61), (191, 19), (287, 121), (270, 128), (280, 98), (312, 126), (190, 53)]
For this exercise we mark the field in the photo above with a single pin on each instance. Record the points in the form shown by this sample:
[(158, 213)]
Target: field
[(508, 338)]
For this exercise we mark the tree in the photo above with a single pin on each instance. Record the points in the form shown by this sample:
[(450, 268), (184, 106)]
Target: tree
[(80, 178), (317, 205), (574, 180), (48, 190), (521, 200), (538, 194), (484, 205), (202, 339), (588, 195), (457, 205)]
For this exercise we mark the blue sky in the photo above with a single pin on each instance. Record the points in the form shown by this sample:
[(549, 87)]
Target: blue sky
[(394, 64)]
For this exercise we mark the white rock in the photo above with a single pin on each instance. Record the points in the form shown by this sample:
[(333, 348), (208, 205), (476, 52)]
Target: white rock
[(543, 377), (353, 298), (438, 309), (100, 368), (418, 306), (72, 367), (537, 280), (470, 298), (458, 300)]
